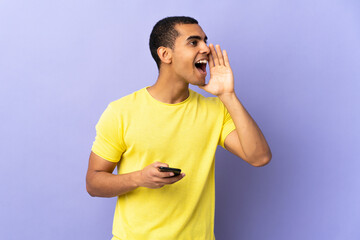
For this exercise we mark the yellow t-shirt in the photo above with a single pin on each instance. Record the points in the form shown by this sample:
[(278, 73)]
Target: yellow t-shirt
[(137, 130)]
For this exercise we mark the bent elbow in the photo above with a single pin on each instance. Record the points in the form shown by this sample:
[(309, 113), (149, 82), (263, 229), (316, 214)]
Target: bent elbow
[(89, 188), (262, 161), (90, 192)]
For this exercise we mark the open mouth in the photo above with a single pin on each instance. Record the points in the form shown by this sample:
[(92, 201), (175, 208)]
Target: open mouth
[(201, 66)]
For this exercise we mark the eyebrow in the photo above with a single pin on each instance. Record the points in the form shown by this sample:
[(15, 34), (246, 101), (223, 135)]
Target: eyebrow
[(197, 37)]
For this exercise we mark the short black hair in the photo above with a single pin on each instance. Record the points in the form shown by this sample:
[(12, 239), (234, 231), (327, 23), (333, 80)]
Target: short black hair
[(164, 34)]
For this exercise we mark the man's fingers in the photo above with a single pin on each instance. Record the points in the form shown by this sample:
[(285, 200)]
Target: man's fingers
[(162, 178), (160, 164), (217, 57), (174, 179), (219, 54), (211, 61), (214, 55), (226, 59), (164, 174), (168, 180)]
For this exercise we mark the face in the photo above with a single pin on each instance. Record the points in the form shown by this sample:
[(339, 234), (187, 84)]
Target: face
[(190, 54)]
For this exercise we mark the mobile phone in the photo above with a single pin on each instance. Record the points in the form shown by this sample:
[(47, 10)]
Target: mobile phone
[(176, 171)]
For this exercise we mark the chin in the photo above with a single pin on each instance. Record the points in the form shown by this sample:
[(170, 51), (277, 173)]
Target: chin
[(198, 82), (202, 82)]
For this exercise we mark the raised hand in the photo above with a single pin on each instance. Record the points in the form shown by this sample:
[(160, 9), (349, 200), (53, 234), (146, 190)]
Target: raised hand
[(221, 76)]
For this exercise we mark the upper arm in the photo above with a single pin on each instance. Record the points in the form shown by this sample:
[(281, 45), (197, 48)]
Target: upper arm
[(233, 145), (99, 164)]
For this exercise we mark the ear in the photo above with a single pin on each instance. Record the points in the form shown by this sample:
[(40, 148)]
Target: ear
[(165, 54)]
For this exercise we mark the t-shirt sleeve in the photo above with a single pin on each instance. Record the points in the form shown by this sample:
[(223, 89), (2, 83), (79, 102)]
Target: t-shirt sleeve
[(109, 143), (227, 127)]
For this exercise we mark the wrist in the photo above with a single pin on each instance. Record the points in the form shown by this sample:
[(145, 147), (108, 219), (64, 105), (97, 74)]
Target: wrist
[(227, 97), (137, 178)]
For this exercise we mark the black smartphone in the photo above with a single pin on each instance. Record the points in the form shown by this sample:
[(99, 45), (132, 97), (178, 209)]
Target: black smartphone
[(176, 171)]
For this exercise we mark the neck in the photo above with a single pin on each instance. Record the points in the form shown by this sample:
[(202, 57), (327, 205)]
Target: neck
[(169, 89)]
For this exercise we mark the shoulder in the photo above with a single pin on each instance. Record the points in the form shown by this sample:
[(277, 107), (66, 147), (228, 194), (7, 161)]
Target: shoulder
[(128, 101), (212, 102)]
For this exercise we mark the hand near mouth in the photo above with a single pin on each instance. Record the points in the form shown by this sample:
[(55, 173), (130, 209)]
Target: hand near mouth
[(221, 76)]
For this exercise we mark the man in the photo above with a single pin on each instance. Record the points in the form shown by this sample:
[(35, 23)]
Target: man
[(170, 125)]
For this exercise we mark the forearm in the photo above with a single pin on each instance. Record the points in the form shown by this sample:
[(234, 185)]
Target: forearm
[(104, 184), (250, 136)]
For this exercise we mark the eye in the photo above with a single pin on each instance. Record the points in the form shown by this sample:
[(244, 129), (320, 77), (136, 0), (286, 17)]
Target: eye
[(194, 43)]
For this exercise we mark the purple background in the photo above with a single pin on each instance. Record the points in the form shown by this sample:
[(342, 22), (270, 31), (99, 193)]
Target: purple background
[(297, 72)]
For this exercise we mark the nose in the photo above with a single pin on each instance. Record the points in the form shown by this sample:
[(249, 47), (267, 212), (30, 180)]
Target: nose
[(205, 48)]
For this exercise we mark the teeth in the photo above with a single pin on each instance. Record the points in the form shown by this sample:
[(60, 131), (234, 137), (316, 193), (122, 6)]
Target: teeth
[(202, 61)]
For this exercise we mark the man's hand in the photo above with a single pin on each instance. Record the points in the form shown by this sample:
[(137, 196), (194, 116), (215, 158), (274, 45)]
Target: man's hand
[(221, 76), (151, 177)]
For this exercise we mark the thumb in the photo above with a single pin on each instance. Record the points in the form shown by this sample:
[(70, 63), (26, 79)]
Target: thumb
[(160, 164)]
